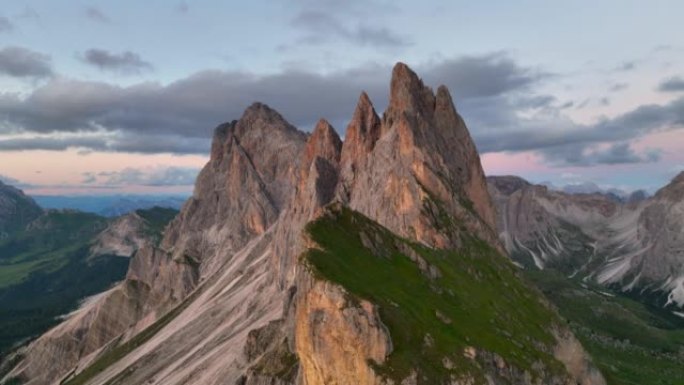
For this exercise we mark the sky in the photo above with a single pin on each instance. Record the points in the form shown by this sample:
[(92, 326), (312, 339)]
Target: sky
[(102, 97)]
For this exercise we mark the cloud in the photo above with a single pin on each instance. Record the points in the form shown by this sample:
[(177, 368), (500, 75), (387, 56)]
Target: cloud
[(483, 76), (15, 182), (618, 87), (5, 25), (21, 63), (159, 176), (580, 155), (89, 178), (119, 142), (559, 138), (322, 26), (95, 14), (495, 94), (626, 66), (673, 84), (189, 108), (125, 62)]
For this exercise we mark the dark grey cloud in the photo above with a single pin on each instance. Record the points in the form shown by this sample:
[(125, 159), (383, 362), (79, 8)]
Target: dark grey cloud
[(163, 176), (579, 154), (483, 76), (123, 142), (23, 63), (321, 26), (673, 84), (95, 14), (495, 95), (191, 107), (564, 142), (5, 25), (125, 62)]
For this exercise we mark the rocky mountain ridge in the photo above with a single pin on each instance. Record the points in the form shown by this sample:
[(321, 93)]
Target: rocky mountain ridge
[(635, 246), (235, 293)]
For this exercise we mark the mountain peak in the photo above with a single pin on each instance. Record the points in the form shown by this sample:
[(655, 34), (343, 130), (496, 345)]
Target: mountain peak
[(407, 91), (263, 119), (508, 184), (324, 142)]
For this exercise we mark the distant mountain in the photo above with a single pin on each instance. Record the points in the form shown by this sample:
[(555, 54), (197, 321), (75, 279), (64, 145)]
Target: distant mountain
[(62, 257), (635, 245), (110, 205), (615, 194), (16, 210), (126, 205), (613, 267)]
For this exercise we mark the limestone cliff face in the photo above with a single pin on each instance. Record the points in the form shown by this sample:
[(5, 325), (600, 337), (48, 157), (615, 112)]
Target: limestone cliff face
[(314, 187), (241, 191), (226, 299), (238, 197), (416, 165), (337, 339), (632, 246)]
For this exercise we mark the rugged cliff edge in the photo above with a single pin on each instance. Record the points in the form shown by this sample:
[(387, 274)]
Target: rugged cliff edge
[(304, 260)]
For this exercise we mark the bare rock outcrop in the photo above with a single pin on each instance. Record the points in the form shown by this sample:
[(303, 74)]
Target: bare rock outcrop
[(122, 237), (337, 340), (416, 166)]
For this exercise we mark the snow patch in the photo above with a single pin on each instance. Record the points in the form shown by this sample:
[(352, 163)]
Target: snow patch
[(676, 287)]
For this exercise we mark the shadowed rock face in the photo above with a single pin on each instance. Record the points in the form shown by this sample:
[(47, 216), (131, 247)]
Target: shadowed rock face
[(636, 246), (16, 209), (246, 309)]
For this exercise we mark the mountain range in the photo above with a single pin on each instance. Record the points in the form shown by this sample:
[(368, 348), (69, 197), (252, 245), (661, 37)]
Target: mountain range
[(635, 246), (381, 259), (109, 205)]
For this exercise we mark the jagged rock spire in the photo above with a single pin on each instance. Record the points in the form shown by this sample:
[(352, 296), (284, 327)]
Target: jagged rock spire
[(408, 93)]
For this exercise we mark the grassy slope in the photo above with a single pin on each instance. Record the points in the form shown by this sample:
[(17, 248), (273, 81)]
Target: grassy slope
[(630, 342), (487, 303)]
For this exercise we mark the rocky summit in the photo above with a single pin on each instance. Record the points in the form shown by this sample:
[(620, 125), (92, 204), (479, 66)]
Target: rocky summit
[(302, 259)]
